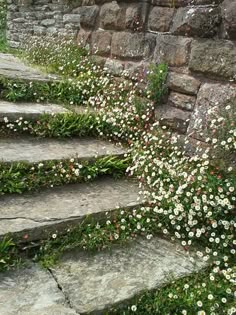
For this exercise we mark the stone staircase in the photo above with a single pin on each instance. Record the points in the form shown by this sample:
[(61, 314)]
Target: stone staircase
[(82, 283)]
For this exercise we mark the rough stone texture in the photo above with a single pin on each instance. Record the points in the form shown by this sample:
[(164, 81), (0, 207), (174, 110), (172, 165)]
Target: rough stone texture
[(31, 291), (199, 21), (35, 150), (209, 96), (27, 110), (160, 19), (182, 101), (172, 50), (88, 15), (131, 45), (229, 18), (42, 213), (94, 283), (214, 58), (13, 68), (184, 3), (127, 34), (183, 83), (112, 16), (174, 118), (101, 42)]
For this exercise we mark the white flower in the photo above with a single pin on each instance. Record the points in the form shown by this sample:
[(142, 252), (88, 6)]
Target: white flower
[(199, 303), (133, 308), (210, 297)]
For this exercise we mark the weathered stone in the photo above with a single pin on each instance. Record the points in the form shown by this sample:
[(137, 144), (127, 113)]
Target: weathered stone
[(72, 18), (88, 15), (114, 66), (184, 3), (13, 68), (83, 37), (31, 291), (53, 210), (229, 18), (134, 19), (36, 150), (101, 42), (210, 95), (112, 16), (39, 30), (199, 21), (182, 101), (95, 283), (172, 50), (160, 19), (214, 58), (27, 110), (183, 83), (132, 45), (48, 22), (173, 118)]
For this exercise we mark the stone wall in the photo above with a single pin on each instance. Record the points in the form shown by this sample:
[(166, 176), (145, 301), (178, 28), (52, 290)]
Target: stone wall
[(196, 38)]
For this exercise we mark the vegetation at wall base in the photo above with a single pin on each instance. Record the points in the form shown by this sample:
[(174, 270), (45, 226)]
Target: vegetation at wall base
[(186, 198)]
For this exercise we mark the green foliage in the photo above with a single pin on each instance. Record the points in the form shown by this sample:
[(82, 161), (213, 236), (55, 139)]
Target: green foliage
[(3, 12), (157, 81), (58, 55), (190, 295), (21, 177), (9, 256)]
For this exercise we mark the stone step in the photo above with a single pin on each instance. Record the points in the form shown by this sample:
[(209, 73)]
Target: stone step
[(12, 67), (50, 210), (35, 150), (85, 283), (28, 111)]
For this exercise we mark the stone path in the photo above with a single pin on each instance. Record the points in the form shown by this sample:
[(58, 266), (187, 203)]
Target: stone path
[(30, 111), (89, 284), (82, 283), (38, 214), (13, 68), (35, 150)]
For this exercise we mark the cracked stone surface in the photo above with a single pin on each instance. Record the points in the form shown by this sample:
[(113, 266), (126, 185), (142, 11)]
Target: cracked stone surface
[(28, 110), (93, 283), (47, 211), (13, 68), (35, 150), (31, 291)]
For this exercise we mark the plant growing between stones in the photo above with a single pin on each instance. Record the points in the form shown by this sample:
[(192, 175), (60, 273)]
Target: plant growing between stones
[(186, 198)]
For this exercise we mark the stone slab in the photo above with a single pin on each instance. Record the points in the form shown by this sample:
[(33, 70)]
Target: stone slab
[(31, 291), (13, 68), (31, 111), (93, 283), (35, 150), (45, 212)]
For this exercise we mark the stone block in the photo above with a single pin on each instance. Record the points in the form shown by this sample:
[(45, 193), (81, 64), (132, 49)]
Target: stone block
[(184, 3), (160, 19), (83, 37), (132, 45), (48, 22), (173, 50), (229, 18), (114, 66), (71, 18), (198, 21), (182, 101), (88, 15), (173, 118), (209, 96), (134, 18), (214, 58), (112, 16), (101, 42), (183, 83)]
